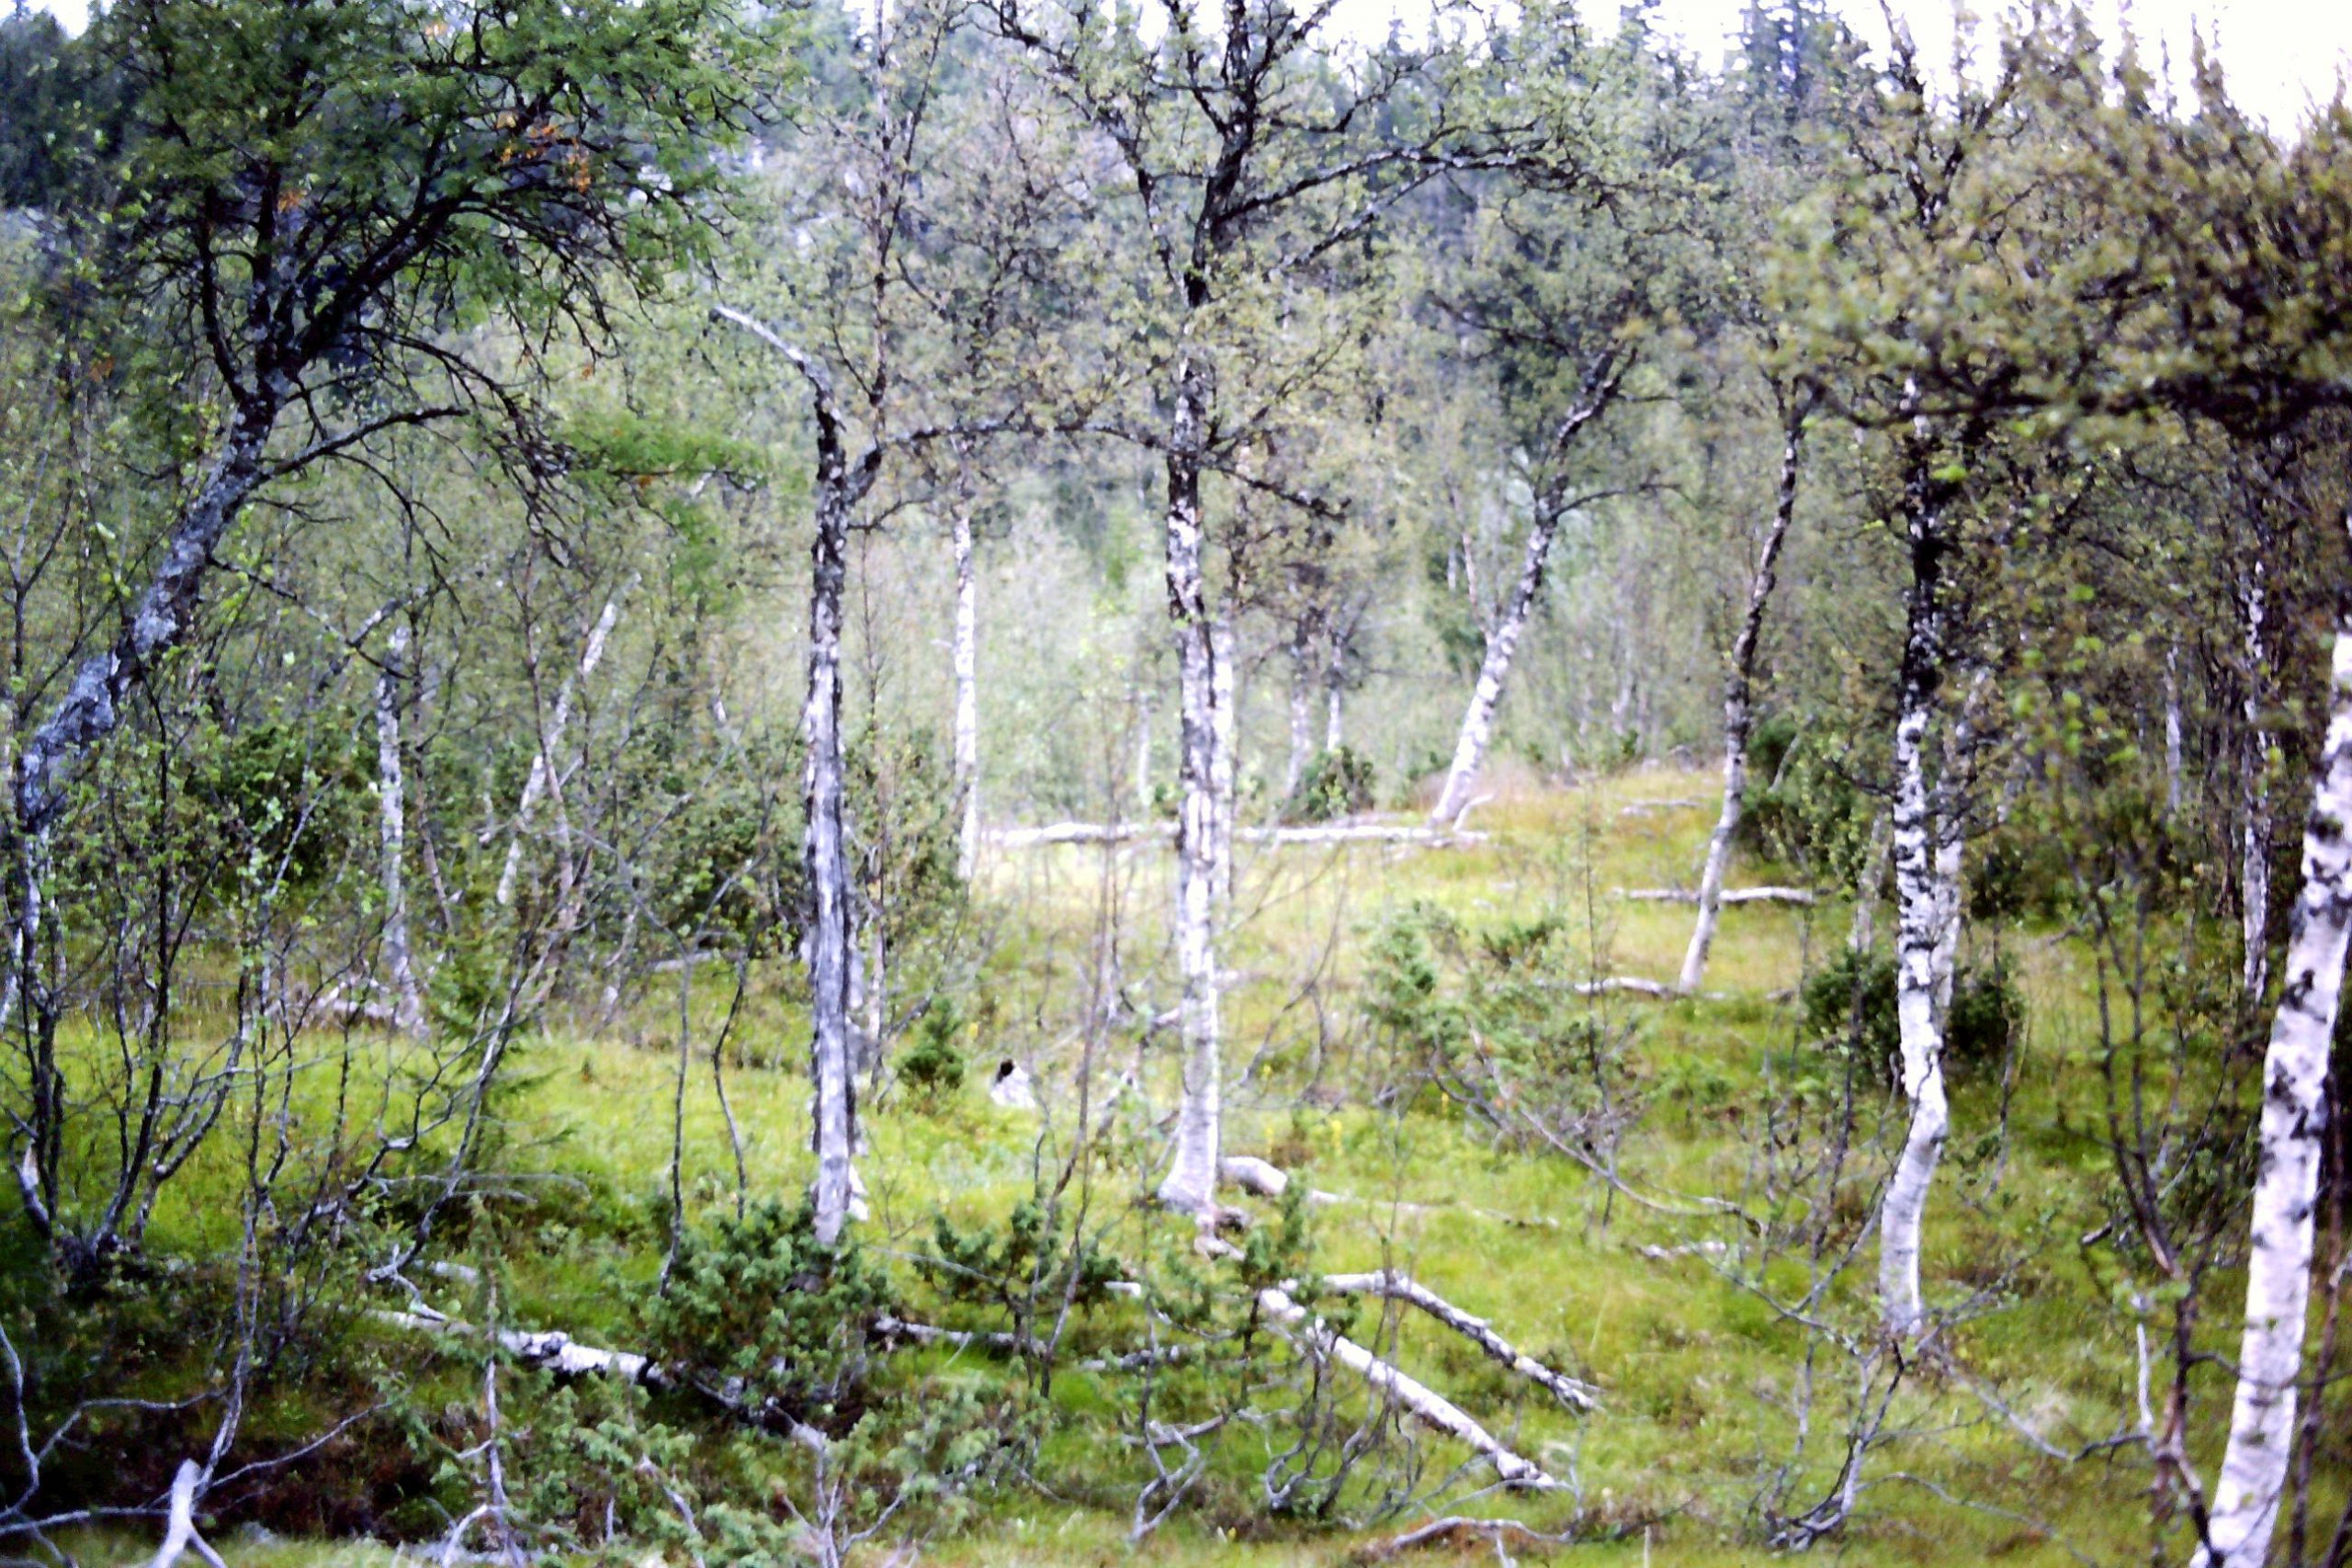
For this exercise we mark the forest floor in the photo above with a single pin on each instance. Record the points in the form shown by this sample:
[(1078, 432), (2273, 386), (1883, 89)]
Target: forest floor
[(1644, 1291)]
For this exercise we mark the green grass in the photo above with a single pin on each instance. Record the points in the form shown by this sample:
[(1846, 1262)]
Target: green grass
[(1696, 1368)]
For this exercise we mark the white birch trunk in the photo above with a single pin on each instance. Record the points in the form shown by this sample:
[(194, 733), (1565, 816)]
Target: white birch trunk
[(1301, 715), (543, 765), (833, 1066), (408, 1003), (1502, 643), (1739, 713), (1865, 929), (2254, 839), (2294, 1114), (2172, 730), (1920, 908), (1191, 1181), (967, 691), (1225, 726)]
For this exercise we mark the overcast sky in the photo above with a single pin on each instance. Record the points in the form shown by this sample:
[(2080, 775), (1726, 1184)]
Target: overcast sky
[(2281, 54)]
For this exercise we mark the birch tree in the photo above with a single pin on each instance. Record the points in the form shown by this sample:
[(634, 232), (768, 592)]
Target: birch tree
[(1250, 171), (311, 190)]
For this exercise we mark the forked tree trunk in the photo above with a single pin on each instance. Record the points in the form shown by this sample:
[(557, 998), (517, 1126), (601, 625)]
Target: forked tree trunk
[(1738, 706), (840, 485), (1502, 645), (1921, 904), (1191, 1181), (544, 768), (408, 1001), (967, 686), (2255, 834), (2294, 1118)]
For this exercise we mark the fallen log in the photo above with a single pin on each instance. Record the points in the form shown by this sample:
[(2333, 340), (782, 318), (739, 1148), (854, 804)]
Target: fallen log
[(1612, 984), (1424, 1403), (1804, 895), (1389, 1285), (1407, 834)]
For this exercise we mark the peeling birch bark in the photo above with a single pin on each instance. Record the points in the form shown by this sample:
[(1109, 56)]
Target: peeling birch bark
[(542, 775), (1738, 706), (840, 485), (408, 1009), (2294, 1117), (1191, 1181), (1919, 913)]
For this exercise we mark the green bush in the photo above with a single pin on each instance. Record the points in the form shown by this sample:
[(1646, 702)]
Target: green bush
[(1338, 783), (1851, 1002), (760, 1312), (932, 1068)]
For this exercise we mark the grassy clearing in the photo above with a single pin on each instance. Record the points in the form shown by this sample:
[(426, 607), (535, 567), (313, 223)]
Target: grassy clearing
[(1698, 1369)]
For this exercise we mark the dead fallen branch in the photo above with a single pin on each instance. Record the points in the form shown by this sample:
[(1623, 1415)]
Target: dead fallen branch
[(179, 1528), (1424, 1403), (1390, 1285), (1452, 1530), (1804, 895), (1651, 808), (1612, 984), (1134, 832)]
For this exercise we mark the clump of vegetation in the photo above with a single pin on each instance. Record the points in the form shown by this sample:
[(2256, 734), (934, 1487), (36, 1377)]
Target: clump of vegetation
[(1850, 1001), (1336, 782), (933, 1065)]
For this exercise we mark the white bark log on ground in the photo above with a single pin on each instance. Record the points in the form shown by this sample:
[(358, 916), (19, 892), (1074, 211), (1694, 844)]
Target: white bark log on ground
[(1418, 1400), (1389, 1285), (408, 1005), (1804, 895), (2294, 1114), (543, 772), (1739, 704), (1333, 833)]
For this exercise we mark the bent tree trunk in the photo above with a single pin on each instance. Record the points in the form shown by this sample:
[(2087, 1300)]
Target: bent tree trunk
[(90, 711), (2294, 1115), (408, 1001), (1191, 1181), (1503, 644), (1921, 904), (1738, 708), (967, 687)]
